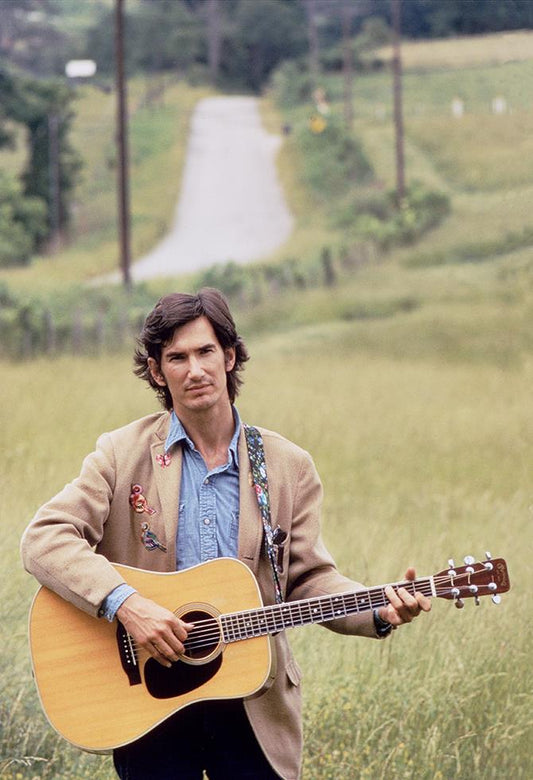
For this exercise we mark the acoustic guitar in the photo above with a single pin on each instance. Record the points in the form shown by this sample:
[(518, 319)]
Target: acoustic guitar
[(100, 691)]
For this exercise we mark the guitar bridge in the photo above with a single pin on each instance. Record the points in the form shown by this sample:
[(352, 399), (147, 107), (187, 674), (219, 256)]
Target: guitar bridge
[(128, 655)]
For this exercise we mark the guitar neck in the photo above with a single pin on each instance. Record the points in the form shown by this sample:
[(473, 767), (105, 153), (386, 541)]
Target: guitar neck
[(321, 609)]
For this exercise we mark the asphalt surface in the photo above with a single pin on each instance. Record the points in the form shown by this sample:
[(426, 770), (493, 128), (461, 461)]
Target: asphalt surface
[(231, 206)]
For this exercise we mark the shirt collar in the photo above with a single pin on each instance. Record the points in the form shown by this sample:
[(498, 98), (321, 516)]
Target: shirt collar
[(177, 434)]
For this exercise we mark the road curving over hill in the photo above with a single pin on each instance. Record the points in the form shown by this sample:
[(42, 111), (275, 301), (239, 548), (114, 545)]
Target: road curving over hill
[(231, 205)]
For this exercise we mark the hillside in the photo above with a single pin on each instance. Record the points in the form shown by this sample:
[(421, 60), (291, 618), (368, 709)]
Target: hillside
[(477, 259)]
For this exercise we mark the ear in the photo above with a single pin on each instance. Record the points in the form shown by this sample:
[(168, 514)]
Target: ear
[(229, 358), (155, 371)]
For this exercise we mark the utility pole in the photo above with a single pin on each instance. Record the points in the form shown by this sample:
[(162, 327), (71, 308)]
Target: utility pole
[(312, 35), (122, 148), (347, 14), (54, 181), (214, 39), (397, 91)]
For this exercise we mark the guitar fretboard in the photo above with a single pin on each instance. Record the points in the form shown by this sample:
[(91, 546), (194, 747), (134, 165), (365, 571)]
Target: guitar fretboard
[(273, 619)]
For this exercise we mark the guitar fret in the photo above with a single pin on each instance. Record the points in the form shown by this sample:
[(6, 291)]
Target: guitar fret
[(277, 617)]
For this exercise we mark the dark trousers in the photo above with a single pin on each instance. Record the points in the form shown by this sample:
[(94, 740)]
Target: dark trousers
[(214, 737)]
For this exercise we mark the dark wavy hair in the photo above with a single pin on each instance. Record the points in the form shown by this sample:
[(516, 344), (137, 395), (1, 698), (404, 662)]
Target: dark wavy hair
[(177, 309)]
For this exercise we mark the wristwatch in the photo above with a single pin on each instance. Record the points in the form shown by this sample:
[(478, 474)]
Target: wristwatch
[(383, 627)]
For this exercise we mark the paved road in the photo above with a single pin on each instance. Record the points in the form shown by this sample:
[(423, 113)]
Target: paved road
[(231, 206)]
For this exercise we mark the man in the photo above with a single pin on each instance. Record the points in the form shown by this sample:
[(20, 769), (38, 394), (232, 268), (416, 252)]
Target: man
[(172, 490)]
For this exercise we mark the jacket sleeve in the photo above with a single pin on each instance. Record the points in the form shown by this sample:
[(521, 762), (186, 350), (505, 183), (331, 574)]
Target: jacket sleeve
[(58, 544)]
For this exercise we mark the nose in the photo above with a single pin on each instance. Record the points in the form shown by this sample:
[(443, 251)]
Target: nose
[(195, 368)]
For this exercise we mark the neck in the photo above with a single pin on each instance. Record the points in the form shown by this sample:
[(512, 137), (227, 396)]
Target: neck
[(211, 433)]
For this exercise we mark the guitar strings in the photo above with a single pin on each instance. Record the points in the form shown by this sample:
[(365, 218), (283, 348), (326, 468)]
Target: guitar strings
[(247, 623)]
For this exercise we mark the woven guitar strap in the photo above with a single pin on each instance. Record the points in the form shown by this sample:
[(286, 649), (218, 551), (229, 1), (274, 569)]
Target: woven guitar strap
[(256, 453)]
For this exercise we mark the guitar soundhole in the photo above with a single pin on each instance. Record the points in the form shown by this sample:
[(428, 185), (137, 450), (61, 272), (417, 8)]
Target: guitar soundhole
[(204, 639)]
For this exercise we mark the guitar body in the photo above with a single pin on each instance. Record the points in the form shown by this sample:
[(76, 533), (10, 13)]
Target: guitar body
[(87, 694)]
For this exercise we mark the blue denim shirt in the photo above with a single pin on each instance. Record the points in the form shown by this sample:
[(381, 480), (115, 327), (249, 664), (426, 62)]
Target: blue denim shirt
[(209, 501), (208, 511)]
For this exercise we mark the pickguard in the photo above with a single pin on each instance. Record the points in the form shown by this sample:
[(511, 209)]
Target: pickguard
[(165, 683)]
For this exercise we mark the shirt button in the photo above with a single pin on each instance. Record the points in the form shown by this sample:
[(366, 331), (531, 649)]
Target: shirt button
[(207, 521)]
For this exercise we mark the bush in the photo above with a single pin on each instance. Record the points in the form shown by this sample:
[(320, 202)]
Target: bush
[(22, 223), (334, 161), (382, 221), (291, 84)]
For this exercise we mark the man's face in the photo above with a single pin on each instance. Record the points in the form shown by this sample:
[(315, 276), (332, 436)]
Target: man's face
[(193, 367)]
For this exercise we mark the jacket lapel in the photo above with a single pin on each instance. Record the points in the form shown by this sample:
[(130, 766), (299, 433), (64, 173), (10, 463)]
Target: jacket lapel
[(167, 470)]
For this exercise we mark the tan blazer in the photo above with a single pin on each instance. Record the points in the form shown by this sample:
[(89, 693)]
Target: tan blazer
[(72, 538)]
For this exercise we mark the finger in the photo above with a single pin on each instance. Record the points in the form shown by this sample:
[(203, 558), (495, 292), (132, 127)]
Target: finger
[(181, 630), (160, 655), (405, 606), (423, 601)]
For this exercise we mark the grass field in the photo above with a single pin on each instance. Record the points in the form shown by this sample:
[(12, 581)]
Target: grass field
[(421, 460), (410, 383)]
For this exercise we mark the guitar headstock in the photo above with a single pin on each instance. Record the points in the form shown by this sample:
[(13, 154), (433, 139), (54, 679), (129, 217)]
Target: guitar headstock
[(474, 579)]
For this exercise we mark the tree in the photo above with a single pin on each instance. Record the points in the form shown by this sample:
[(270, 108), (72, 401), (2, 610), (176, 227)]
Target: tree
[(263, 34), (52, 165), (22, 223)]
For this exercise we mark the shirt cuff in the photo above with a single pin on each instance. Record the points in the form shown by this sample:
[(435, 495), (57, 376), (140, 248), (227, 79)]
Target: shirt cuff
[(114, 600)]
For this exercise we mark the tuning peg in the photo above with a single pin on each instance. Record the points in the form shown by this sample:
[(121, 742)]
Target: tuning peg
[(451, 563), (488, 556), (496, 599), (469, 560), (476, 601), (459, 603)]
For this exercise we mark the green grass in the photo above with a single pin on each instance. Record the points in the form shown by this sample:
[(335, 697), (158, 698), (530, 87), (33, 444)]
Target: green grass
[(421, 458)]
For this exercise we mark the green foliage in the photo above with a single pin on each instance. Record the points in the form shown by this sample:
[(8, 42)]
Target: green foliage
[(43, 107), (53, 165), (263, 34), (159, 36), (230, 278), (291, 83), (333, 160), (22, 223), (335, 167), (75, 321), (382, 221)]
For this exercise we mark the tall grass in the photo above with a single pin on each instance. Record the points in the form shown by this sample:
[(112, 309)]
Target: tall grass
[(421, 460)]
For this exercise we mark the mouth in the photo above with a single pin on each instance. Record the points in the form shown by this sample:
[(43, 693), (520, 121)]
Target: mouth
[(197, 388)]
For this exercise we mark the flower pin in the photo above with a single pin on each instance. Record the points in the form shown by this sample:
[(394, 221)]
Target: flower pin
[(163, 460), (138, 502)]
